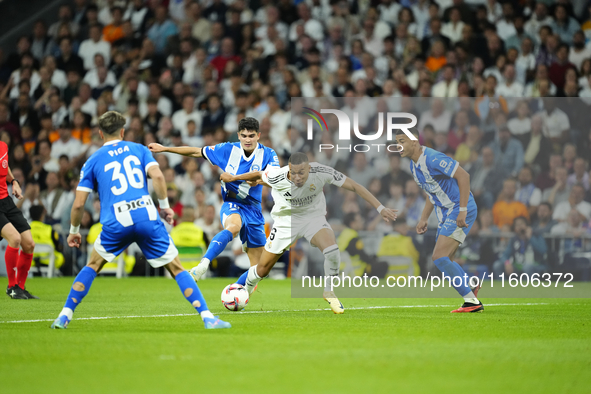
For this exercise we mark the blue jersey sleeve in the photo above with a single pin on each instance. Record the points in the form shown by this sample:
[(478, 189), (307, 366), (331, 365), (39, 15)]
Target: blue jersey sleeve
[(440, 164), (215, 154), (87, 177), (271, 159)]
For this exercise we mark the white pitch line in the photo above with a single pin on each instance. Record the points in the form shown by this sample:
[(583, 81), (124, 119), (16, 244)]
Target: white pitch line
[(271, 311)]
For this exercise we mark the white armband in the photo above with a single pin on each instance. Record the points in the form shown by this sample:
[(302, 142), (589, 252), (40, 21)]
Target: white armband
[(380, 208), (463, 209), (163, 204), (74, 229)]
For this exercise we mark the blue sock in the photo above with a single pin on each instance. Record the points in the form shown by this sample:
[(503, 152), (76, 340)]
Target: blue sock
[(86, 276), (242, 279), (453, 269), (191, 291), (218, 244)]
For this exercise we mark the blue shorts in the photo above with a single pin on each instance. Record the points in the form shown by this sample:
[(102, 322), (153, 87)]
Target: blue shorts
[(449, 227), (150, 236), (252, 232)]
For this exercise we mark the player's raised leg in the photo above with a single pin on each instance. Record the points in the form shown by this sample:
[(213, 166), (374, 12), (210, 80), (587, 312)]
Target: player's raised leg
[(254, 255), (325, 240), (193, 294), (257, 272), (79, 289), (443, 253), (277, 243), (232, 226)]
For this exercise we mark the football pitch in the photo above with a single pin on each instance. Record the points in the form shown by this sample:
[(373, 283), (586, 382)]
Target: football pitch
[(139, 335)]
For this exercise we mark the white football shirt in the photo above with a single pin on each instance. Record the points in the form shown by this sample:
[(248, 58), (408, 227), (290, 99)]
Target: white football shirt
[(301, 202)]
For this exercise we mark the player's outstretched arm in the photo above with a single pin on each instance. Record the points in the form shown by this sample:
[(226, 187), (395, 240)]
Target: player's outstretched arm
[(249, 176), (159, 184), (74, 238), (179, 150), (386, 213)]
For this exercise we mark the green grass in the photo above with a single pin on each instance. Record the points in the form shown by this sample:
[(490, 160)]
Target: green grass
[(541, 348)]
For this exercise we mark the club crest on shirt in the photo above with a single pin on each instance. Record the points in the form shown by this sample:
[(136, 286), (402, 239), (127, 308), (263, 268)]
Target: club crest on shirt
[(312, 188), (4, 163), (255, 167)]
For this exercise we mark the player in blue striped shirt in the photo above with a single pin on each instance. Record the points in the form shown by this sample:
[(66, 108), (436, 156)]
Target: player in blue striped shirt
[(448, 187), (241, 212), (119, 172)]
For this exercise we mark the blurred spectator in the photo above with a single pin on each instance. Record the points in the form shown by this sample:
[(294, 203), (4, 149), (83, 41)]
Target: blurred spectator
[(188, 112), (546, 178), (162, 28), (68, 59), (572, 262), (413, 207), (508, 152), (561, 190), (580, 174), (65, 17), (361, 171), (506, 209), (395, 174), (544, 222), (53, 198), (527, 193), (66, 145), (44, 234), (357, 261), (575, 201), (486, 179), (209, 221), (525, 252), (93, 45)]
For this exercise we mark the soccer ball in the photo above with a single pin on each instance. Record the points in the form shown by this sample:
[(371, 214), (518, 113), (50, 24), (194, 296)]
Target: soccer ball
[(235, 297)]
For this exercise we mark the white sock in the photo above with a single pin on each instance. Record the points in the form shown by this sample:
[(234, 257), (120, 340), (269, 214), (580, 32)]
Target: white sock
[(207, 314), (252, 279), (332, 262), (470, 297), (328, 283), (67, 312)]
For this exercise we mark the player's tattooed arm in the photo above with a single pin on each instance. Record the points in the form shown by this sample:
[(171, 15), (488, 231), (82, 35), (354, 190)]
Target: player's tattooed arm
[(179, 150), (386, 213), (249, 177)]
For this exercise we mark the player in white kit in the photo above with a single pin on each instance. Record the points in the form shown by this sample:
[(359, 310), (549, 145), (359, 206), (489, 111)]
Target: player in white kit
[(300, 211)]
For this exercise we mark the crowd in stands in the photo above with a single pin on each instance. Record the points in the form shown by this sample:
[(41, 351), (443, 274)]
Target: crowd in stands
[(502, 86)]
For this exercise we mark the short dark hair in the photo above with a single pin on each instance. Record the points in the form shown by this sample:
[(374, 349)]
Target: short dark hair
[(36, 212), (250, 124), (111, 122), (298, 158)]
